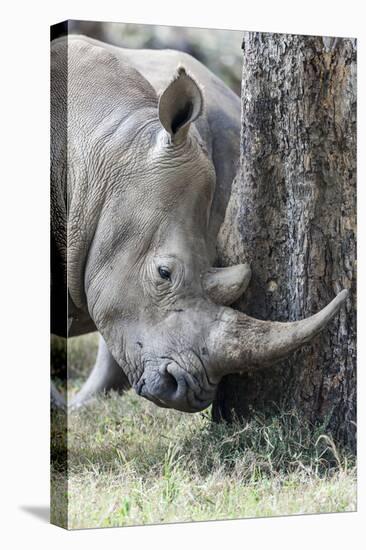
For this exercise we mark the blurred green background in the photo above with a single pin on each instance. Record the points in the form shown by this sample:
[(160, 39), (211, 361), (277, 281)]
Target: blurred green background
[(219, 50)]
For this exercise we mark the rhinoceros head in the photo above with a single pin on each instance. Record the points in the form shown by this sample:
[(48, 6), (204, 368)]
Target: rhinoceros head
[(161, 308)]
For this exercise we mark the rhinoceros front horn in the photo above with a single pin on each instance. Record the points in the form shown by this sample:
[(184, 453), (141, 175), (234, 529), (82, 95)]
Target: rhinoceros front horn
[(238, 342), (224, 285)]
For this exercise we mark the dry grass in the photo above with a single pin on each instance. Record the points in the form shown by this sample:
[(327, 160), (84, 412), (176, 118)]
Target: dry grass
[(130, 462)]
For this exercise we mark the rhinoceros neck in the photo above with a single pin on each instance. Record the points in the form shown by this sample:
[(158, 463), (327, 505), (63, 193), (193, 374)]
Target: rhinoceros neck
[(103, 94), (97, 191), (83, 208)]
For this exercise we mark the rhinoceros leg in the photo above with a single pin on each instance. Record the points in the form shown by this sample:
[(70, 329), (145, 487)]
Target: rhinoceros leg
[(106, 375), (57, 401)]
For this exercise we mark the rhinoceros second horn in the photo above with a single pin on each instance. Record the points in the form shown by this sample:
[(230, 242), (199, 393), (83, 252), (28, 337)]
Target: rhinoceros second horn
[(226, 284)]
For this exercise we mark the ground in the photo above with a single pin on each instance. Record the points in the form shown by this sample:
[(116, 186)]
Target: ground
[(130, 463)]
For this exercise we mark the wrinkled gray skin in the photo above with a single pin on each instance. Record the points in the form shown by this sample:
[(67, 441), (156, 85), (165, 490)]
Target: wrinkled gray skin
[(153, 140)]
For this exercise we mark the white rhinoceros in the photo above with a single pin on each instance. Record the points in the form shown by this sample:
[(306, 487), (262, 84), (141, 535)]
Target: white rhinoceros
[(144, 149)]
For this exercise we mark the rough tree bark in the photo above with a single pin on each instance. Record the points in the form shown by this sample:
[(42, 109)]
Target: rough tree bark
[(292, 216)]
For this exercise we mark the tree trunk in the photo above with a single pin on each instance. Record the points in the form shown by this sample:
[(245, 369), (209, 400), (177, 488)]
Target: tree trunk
[(292, 216)]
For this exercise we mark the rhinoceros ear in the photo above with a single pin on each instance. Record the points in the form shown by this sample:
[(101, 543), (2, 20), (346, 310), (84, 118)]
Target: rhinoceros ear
[(179, 105)]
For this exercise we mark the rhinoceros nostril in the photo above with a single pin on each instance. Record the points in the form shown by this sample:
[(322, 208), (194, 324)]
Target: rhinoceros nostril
[(169, 382), (168, 385)]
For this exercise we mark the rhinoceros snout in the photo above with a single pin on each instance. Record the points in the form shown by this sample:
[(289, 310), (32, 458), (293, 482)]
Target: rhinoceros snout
[(169, 385)]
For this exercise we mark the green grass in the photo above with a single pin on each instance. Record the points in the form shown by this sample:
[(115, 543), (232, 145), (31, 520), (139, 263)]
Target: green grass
[(130, 463)]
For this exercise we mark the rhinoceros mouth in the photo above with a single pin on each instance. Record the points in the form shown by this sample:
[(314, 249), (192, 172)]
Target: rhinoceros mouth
[(171, 386)]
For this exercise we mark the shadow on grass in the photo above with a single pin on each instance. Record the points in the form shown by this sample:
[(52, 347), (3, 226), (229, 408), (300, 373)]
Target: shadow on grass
[(129, 436), (278, 444)]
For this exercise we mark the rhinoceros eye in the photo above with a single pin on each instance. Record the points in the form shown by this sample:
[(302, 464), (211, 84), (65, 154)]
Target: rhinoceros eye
[(164, 273)]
